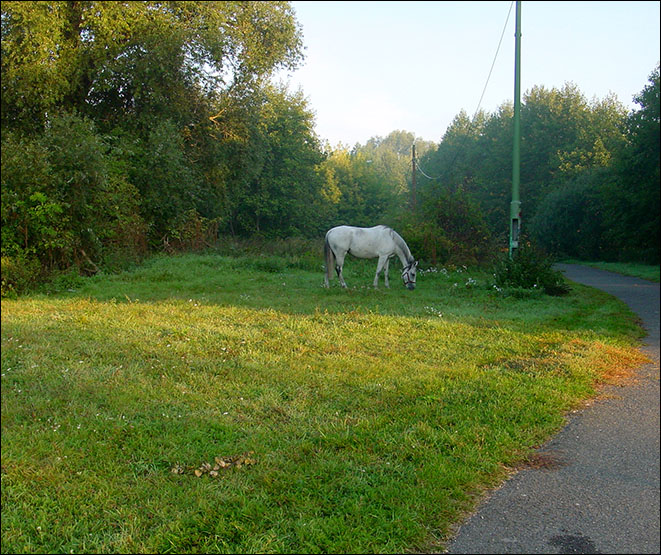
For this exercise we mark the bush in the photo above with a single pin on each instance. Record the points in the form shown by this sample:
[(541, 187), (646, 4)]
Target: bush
[(449, 228), (67, 280), (19, 274), (529, 269), (190, 232)]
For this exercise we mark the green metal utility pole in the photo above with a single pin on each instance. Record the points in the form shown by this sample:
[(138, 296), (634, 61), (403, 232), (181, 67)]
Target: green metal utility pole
[(413, 191), (515, 206)]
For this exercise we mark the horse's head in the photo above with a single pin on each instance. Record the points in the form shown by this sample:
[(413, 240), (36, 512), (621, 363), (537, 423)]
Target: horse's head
[(408, 275)]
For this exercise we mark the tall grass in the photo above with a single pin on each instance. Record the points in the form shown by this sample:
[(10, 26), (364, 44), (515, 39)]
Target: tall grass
[(231, 404)]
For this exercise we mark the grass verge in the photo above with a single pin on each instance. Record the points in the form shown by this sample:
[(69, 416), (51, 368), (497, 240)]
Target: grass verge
[(643, 271)]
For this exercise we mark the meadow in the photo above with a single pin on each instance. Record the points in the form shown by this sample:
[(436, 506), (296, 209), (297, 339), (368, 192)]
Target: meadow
[(230, 404)]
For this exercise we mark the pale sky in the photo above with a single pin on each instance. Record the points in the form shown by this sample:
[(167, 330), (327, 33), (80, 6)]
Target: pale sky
[(376, 67)]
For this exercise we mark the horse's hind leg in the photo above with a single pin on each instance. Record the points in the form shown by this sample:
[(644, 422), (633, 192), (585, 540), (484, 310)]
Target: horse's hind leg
[(339, 262)]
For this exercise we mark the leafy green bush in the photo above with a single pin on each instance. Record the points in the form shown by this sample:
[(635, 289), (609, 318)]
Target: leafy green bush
[(19, 273), (67, 280), (190, 232), (449, 228), (428, 243), (529, 269)]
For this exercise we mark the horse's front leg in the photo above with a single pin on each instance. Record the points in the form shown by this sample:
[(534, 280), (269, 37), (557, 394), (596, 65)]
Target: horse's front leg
[(383, 262), (385, 272)]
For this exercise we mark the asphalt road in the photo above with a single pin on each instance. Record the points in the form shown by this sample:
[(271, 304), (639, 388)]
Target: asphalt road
[(599, 491)]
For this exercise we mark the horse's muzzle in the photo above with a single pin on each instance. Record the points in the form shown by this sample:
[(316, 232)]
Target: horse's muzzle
[(410, 286)]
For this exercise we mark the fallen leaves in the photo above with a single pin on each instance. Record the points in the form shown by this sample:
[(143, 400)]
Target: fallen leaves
[(219, 464)]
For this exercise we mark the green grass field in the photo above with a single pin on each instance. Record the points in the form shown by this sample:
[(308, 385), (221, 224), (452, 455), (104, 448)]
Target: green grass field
[(218, 404)]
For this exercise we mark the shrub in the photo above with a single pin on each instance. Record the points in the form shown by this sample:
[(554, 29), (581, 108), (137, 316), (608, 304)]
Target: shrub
[(449, 228), (66, 280), (529, 269), (190, 232), (19, 274)]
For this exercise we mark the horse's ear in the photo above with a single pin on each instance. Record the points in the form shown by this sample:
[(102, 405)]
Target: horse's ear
[(416, 264)]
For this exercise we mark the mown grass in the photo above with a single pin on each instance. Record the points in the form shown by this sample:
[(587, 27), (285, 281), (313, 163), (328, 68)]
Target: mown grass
[(367, 421)]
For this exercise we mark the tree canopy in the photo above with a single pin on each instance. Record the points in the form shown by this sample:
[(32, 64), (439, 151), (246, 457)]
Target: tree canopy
[(144, 60)]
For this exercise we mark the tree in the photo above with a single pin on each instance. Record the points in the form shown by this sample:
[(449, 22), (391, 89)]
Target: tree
[(144, 59), (568, 221), (281, 185), (370, 184), (632, 198)]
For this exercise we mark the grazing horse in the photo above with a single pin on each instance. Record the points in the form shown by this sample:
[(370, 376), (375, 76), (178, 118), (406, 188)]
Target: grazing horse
[(368, 242)]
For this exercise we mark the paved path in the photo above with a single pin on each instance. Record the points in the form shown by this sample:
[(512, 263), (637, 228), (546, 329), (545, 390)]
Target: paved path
[(602, 493)]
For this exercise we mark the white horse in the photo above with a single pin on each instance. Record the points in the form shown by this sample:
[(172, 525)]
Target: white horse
[(368, 242)]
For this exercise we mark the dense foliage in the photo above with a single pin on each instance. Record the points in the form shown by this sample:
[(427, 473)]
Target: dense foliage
[(129, 128), (589, 187)]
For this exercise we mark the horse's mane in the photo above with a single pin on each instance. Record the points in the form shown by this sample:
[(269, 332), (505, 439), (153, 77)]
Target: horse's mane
[(400, 243)]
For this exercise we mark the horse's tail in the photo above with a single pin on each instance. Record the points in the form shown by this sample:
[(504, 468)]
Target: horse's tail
[(329, 255)]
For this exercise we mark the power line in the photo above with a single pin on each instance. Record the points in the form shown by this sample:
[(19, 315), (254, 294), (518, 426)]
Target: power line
[(494, 59), (423, 173), (483, 91)]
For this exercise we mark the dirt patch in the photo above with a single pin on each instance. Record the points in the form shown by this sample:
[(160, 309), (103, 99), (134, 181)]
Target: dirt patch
[(542, 460)]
